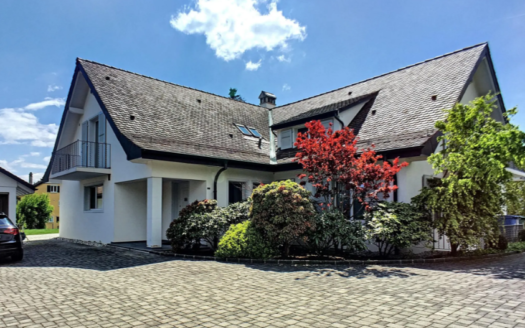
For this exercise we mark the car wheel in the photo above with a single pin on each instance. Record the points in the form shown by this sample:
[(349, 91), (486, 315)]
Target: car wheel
[(19, 256)]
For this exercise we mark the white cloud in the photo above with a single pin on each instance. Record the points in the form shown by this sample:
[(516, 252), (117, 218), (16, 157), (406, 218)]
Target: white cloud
[(232, 27), (251, 66), (22, 127), (34, 153), (286, 87), (57, 102), (6, 165), (20, 163), (47, 159), (283, 58), (52, 87)]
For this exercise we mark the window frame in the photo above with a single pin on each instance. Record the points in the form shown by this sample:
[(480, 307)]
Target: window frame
[(281, 145), (252, 129), (87, 198), (240, 127)]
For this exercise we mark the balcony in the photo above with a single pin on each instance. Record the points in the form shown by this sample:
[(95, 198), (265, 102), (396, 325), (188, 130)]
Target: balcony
[(81, 160)]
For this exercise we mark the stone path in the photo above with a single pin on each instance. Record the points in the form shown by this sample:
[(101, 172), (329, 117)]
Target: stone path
[(60, 284)]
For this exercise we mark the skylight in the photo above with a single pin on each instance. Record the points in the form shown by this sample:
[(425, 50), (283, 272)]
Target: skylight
[(252, 132), (244, 130), (255, 133)]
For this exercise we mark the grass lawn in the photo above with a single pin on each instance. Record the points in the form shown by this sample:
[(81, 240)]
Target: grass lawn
[(30, 232)]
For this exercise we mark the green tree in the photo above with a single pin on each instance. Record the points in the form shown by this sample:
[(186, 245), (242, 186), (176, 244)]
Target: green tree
[(477, 149), (233, 95), (397, 225), (282, 211), (515, 191), (33, 211)]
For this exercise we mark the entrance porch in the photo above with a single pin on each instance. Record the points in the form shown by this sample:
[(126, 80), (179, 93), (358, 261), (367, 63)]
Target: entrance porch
[(145, 208)]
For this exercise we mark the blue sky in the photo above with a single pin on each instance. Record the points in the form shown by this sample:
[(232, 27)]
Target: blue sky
[(294, 48)]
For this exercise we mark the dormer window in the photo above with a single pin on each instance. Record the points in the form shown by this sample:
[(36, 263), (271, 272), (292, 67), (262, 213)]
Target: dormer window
[(248, 131)]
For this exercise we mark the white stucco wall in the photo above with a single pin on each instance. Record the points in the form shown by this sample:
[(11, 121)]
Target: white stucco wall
[(8, 186), (76, 222), (130, 211)]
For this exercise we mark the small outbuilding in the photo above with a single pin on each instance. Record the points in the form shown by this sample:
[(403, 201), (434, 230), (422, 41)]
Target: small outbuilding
[(12, 188)]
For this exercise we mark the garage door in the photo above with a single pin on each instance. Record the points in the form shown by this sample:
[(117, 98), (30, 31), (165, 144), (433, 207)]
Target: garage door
[(4, 203)]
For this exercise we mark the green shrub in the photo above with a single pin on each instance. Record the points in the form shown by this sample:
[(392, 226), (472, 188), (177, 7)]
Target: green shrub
[(210, 226), (400, 225), (332, 230), (33, 211), (521, 235), (500, 243), (516, 247), (185, 230), (204, 220), (282, 211), (243, 240)]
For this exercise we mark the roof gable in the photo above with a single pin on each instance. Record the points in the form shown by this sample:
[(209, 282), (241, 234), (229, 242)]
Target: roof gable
[(404, 107), (175, 119)]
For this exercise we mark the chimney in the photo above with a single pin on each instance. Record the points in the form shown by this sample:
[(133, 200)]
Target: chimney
[(267, 100), (30, 177)]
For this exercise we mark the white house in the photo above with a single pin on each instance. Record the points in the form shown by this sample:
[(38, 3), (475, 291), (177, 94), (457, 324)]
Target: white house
[(133, 150), (11, 189)]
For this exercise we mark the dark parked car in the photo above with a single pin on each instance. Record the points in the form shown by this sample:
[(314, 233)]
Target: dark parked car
[(10, 239)]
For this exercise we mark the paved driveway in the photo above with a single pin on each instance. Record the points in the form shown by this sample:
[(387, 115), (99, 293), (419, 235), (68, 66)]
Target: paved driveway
[(66, 285)]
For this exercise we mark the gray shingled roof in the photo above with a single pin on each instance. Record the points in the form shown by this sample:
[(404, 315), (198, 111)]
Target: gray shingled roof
[(403, 112), (176, 119)]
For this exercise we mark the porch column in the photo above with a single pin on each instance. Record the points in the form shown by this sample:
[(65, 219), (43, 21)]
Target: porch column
[(154, 227)]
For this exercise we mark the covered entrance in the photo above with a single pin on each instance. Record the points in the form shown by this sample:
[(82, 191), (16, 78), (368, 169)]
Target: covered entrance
[(145, 208)]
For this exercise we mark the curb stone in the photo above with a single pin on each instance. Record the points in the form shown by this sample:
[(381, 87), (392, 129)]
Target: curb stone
[(319, 262)]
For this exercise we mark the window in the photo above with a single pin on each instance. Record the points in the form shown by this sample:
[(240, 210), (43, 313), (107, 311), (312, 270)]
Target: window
[(53, 189), (244, 130), (302, 130), (50, 219), (252, 132), (93, 197), (255, 133), (58, 219), (236, 192), (286, 139)]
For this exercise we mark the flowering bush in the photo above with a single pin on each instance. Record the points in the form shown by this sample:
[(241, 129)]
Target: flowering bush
[(204, 220), (184, 231), (282, 211), (243, 240)]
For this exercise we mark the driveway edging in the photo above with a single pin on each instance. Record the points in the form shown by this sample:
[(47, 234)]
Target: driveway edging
[(317, 262)]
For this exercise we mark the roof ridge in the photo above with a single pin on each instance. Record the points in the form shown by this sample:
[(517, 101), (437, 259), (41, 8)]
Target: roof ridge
[(167, 82), (391, 72)]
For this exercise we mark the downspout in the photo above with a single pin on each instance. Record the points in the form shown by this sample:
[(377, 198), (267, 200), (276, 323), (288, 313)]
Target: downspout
[(222, 169), (337, 118), (273, 156)]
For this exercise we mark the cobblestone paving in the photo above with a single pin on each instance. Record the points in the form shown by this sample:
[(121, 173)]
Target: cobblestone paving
[(60, 284)]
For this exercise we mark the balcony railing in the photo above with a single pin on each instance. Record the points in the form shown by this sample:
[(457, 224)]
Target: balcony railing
[(82, 154)]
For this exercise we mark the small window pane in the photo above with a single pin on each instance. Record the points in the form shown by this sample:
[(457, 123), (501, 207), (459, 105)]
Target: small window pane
[(244, 130), (286, 139), (255, 133)]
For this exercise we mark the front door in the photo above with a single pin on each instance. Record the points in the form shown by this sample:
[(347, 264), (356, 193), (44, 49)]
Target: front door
[(4, 204)]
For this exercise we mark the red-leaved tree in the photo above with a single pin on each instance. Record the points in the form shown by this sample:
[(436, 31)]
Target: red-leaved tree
[(342, 173)]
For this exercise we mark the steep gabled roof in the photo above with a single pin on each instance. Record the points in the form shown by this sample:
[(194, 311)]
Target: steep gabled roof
[(403, 113), (16, 178), (163, 117)]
